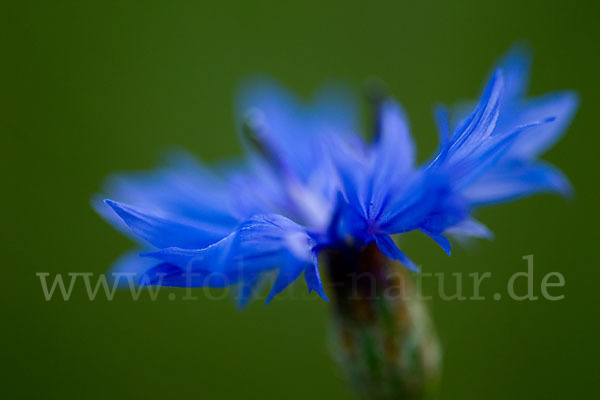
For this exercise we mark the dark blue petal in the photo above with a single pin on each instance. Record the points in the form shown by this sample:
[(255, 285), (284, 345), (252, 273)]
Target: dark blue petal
[(415, 204), (313, 280), (450, 211), (387, 246), (285, 276), (441, 240), (353, 175), (348, 222)]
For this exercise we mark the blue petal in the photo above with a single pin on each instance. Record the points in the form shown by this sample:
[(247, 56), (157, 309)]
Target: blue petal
[(133, 265), (353, 175), (262, 243), (443, 124), (449, 211), (480, 124), (163, 232), (441, 240), (494, 152), (262, 188), (387, 246), (170, 275), (108, 214), (516, 66), (414, 204), (177, 189), (395, 146), (293, 130), (285, 277), (470, 228), (347, 222), (335, 109), (313, 280), (215, 257), (393, 157), (247, 290), (515, 180), (559, 106)]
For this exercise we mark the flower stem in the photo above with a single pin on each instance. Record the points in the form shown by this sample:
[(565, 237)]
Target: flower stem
[(382, 335)]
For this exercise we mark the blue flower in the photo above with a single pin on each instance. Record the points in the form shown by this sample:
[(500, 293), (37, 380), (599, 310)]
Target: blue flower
[(310, 182)]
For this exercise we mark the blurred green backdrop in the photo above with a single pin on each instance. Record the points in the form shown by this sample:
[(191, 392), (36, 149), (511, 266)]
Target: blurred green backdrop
[(89, 88)]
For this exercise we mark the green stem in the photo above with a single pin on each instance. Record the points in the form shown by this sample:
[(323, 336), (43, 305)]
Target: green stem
[(382, 335)]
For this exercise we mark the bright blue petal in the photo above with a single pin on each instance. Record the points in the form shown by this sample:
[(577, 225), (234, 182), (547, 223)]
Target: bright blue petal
[(443, 124), (108, 214), (173, 276), (517, 180), (130, 268), (179, 189), (247, 290), (292, 130), (335, 110), (516, 66), (492, 153), (311, 183), (260, 244), (394, 146), (560, 107), (470, 133), (165, 232), (470, 228), (392, 158)]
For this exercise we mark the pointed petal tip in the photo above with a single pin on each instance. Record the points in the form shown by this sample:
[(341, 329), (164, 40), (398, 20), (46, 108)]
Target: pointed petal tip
[(518, 57), (567, 191), (387, 246), (269, 299), (412, 267), (98, 204), (321, 294), (242, 305), (115, 205)]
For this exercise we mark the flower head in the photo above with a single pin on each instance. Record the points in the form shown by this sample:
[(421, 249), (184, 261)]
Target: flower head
[(310, 182)]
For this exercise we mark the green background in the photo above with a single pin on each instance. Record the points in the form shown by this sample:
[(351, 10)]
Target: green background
[(89, 88)]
